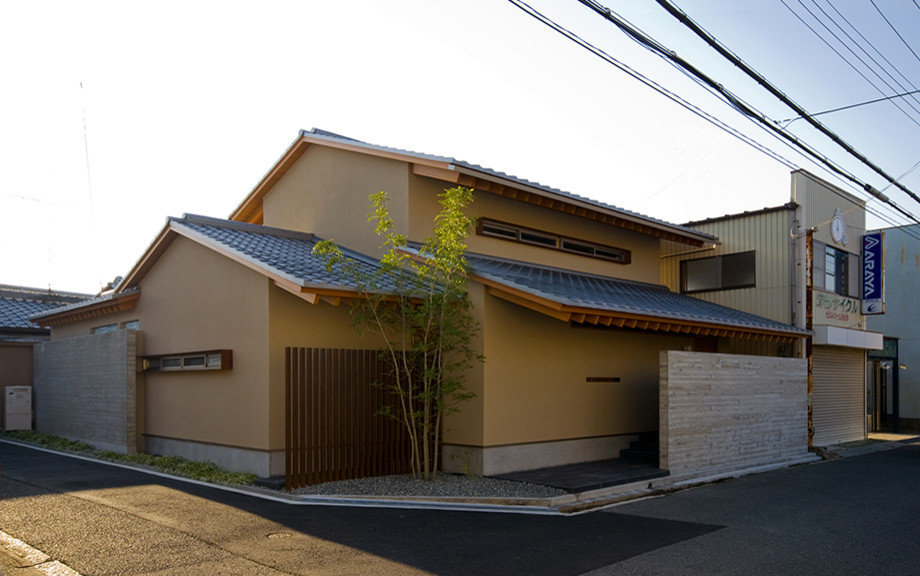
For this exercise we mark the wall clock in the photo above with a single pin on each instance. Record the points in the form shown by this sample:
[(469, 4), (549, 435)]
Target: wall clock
[(839, 228)]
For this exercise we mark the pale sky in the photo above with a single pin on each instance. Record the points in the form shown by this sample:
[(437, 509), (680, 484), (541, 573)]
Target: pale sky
[(187, 104)]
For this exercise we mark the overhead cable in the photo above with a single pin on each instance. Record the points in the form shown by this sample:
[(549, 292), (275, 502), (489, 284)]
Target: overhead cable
[(684, 19), (835, 170), (651, 83)]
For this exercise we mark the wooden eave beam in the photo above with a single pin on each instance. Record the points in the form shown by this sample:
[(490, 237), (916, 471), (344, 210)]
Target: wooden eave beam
[(118, 303), (251, 209), (436, 172), (561, 205), (630, 321)]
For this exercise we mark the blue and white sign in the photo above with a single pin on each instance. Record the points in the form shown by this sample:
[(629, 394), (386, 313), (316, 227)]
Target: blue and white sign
[(873, 274)]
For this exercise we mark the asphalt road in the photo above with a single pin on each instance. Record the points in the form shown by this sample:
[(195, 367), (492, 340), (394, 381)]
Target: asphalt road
[(858, 515)]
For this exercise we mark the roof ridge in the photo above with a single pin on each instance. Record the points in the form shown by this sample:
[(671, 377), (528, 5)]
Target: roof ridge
[(490, 172), (244, 226), (39, 294)]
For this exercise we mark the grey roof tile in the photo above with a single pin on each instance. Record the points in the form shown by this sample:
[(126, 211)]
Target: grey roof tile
[(286, 253), (614, 295), (19, 305)]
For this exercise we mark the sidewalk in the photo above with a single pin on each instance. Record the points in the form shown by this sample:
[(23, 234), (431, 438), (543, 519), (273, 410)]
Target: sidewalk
[(876, 442)]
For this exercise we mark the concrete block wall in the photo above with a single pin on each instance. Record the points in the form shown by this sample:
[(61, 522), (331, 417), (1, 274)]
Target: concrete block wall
[(723, 413), (85, 388)]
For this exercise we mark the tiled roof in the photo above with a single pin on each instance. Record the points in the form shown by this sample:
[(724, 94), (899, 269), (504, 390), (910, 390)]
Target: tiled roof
[(286, 253), (606, 294), (19, 305), (317, 133)]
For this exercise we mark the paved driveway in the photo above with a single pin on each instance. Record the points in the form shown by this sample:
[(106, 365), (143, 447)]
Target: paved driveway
[(852, 516), (102, 520), (858, 515)]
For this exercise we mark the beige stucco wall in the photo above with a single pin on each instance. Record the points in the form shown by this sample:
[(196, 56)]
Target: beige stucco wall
[(424, 206), (536, 371), (295, 322), (326, 193), (194, 299)]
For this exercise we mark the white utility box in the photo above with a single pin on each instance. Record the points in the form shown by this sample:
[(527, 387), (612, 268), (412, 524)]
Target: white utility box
[(17, 407)]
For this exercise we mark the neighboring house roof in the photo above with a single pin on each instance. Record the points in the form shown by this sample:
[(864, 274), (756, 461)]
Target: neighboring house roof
[(591, 299), (470, 175), (19, 304)]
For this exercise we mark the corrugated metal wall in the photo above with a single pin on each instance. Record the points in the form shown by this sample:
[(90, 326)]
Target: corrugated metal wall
[(838, 395), (765, 232), (819, 201)]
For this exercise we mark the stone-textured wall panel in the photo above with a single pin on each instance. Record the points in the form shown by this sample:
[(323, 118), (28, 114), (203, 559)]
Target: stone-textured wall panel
[(85, 389), (721, 413)]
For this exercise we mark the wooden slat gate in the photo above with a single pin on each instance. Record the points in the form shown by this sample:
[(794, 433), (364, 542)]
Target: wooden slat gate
[(333, 429)]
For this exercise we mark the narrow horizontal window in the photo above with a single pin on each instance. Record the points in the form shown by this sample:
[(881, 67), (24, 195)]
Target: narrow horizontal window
[(539, 239), (495, 229), (572, 246), (190, 361), (551, 241)]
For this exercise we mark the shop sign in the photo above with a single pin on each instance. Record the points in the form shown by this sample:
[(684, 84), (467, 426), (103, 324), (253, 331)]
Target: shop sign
[(835, 310), (873, 274)]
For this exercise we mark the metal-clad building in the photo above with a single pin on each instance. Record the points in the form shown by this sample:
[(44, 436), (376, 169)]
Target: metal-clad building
[(797, 263), (894, 377)]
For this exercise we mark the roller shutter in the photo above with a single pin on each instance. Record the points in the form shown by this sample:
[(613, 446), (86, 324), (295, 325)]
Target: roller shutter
[(838, 395)]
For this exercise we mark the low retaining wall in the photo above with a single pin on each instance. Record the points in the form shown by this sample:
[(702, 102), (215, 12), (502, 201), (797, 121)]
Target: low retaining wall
[(85, 388), (721, 413)]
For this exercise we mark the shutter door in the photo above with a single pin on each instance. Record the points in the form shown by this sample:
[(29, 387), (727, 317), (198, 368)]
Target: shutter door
[(838, 395)]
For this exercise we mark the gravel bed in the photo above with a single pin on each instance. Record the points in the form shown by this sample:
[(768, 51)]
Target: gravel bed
[(449, 485)]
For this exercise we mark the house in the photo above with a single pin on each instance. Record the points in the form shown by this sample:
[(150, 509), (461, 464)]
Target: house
[(573, 320), (893, 394), (800, 264), (18, 333)]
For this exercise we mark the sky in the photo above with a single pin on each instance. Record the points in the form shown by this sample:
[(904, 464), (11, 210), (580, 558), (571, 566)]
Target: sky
[(116, 115)]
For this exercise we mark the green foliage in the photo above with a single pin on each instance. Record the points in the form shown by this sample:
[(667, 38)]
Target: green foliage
[(418, 304), (174, 465)]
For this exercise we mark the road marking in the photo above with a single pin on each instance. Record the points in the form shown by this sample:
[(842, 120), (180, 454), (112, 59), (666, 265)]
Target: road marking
[(35, 558)]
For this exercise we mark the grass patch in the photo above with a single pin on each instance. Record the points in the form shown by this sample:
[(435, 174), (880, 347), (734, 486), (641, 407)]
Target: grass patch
[(203, 471)]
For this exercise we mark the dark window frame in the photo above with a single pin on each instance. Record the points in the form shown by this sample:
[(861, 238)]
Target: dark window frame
[(722, 271), (541, 239), (206, 360)]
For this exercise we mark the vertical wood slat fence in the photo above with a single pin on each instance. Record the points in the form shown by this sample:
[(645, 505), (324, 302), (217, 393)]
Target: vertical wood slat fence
[(333, 429)]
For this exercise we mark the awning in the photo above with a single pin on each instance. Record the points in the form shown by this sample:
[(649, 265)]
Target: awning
[(582, 298)]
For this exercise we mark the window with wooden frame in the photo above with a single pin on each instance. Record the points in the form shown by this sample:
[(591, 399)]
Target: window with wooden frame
[(543, 239), (190, 361)]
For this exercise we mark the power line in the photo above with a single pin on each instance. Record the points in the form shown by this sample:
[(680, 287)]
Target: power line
[(756, 76), (871, 45), (895, 30), (852, 106), (851, 51), (841, 56), (651, 83), (837, 171)]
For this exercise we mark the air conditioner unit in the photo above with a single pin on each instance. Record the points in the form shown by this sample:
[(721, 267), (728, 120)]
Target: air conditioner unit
[(17, 408)]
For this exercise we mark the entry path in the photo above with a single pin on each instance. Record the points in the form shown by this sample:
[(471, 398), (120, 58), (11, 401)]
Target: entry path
[(100, 520)]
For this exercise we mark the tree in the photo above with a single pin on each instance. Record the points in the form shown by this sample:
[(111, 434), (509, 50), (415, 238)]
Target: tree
[(418, 304)]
